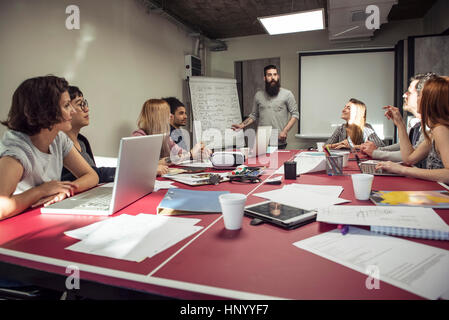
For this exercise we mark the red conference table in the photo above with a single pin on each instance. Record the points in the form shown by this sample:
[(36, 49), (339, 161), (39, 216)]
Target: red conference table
[(256, 262)]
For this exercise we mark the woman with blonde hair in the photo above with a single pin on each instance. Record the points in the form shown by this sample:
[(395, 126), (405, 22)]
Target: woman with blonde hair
[(154, 118), (355, 128), (433, 105)]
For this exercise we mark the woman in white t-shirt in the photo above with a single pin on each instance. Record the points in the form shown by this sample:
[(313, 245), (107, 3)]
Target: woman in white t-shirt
[(34, 149)]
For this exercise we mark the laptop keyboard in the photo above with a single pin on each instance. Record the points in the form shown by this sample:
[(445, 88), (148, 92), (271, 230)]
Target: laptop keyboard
[(100, 203), (98, 199), (371, 169)]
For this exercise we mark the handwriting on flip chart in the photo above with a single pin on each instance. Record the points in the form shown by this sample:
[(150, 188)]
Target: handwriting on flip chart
[(215, 108)]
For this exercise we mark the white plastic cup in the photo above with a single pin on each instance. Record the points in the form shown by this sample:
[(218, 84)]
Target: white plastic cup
[(232, 206), (362, 184), (320, 146)]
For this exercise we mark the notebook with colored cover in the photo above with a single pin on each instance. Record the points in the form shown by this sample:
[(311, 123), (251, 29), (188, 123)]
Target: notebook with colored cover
[(182, 201), (428, 199), (411, 232)]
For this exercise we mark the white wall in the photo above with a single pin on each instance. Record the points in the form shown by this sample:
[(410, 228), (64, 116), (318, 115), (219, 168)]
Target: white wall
[(437, 20), (120, 57), (221, 64)]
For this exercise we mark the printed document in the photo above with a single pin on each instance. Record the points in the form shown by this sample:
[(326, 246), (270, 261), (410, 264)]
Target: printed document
[(404, 217), (418, 268)]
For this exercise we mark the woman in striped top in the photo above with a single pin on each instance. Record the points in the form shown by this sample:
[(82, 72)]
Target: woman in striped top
[(355, 128)]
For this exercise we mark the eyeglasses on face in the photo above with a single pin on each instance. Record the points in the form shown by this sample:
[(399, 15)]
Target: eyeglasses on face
[(83, 104)]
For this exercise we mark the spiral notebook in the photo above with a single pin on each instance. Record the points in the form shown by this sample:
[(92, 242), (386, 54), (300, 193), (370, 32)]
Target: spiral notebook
[(412, 232)]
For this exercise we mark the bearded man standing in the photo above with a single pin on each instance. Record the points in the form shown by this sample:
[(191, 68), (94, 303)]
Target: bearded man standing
[(272, 107)]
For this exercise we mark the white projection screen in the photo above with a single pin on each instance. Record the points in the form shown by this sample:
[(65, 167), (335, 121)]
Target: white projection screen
[(329, 79)]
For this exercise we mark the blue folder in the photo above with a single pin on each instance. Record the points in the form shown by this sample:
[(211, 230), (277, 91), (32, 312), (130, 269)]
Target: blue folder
[(181, 200)]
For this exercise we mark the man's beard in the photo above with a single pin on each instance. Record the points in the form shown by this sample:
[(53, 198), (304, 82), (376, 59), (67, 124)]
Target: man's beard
[(179, 124), (272, 88)]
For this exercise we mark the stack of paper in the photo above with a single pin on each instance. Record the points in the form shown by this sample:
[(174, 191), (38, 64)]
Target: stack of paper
[(305, 196), (307, 162), (132, 238)]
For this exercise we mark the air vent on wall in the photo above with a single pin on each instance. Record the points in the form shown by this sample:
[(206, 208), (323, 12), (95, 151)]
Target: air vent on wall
[(192, 66)]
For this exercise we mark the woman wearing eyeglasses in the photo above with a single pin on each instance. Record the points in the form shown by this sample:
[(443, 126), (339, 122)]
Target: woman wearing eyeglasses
[(355, 128), (80, 119), (35, 148)]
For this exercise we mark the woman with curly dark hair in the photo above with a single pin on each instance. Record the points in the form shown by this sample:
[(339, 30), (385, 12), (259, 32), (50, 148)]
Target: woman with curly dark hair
[(34, 149)]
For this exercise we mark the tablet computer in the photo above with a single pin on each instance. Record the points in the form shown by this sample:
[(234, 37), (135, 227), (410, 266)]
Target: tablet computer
[(281, 215)]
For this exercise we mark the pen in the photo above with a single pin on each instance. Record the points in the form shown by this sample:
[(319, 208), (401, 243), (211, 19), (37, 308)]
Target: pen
[(344, 228)]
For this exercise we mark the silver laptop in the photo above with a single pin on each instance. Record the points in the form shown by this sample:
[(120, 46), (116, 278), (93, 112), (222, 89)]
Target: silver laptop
[(369, 167), (134, 178), (259, 145)]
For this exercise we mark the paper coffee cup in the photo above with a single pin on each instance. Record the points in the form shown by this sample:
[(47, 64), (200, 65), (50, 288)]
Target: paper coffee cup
[(232, 206), (362, 184)]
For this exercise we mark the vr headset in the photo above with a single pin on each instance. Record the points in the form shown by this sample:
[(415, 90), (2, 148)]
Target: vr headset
[(227, 159)]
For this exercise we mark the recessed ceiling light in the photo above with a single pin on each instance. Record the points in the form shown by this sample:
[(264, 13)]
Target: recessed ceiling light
[(294, 22)]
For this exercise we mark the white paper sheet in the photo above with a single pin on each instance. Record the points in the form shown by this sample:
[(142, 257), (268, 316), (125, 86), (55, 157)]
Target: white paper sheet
[(83, 232), (199, 164), (105, 161), (148, 247), (307, 164), (418, 268), (158, 185), (304, 199), (132, 238), (330, 191), (392, 216)]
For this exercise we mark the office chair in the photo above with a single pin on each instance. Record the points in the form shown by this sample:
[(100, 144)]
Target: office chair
[(28, 292)]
